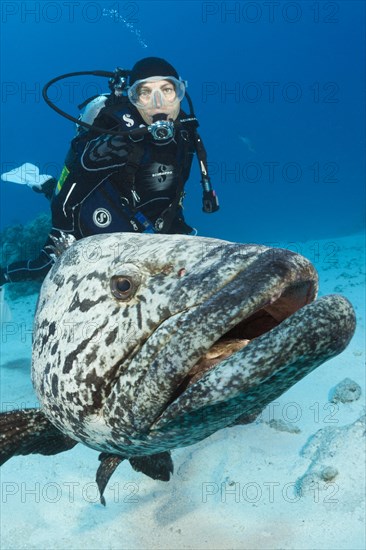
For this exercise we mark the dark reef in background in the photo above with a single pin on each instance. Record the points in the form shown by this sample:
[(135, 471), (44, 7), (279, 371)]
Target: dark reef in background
[(24, 242)]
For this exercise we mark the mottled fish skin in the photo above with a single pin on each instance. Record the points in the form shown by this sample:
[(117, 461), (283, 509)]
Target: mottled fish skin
[(106, 370)]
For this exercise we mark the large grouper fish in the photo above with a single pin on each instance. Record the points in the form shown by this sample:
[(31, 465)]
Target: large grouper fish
[(145, 343)]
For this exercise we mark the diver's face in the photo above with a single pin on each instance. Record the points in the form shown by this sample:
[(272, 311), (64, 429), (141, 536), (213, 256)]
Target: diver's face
[(157, 97)]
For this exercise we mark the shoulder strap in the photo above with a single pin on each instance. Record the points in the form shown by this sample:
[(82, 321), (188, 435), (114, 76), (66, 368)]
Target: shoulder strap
[(131, 167), (106, 111), (115, 107)]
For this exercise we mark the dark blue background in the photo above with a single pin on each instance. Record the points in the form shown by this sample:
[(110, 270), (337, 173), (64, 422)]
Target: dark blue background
[(314, 49)]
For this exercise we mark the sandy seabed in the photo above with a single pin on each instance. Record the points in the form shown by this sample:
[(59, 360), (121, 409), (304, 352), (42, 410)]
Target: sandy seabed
[(293, 479)]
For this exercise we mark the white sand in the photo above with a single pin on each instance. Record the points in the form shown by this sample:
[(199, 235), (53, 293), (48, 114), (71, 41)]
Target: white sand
[(236, 489)]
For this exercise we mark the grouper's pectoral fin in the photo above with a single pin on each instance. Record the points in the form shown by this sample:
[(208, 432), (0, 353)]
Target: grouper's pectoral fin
[(157, 466), (107, 466), (29, 431)]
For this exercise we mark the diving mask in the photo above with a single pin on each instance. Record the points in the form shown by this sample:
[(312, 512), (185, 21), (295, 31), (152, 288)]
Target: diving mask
[(146, 94)]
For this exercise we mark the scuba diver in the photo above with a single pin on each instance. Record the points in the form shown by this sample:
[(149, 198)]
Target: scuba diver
[(127, 165)]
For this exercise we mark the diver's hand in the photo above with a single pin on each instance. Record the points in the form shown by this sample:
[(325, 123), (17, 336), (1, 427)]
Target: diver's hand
[(210, 202), (47, 188), (26, 174)]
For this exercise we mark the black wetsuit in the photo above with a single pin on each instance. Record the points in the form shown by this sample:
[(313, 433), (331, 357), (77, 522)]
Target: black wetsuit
[(116, 184)]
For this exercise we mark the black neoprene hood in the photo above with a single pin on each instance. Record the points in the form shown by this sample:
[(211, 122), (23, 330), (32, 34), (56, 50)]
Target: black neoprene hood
[(152, 66)]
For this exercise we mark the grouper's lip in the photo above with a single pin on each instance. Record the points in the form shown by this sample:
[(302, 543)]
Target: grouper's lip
[(249, 305)]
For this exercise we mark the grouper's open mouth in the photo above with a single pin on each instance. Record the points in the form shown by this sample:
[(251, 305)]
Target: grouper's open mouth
[(255, 324)]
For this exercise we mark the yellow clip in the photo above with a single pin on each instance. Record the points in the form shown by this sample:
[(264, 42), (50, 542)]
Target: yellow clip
[(65, 172)]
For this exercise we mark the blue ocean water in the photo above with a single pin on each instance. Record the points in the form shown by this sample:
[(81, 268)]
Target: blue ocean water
[(278, 88)]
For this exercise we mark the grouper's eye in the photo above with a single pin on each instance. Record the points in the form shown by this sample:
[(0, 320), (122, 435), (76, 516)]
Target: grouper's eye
[(125, 284), (122, 288)]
